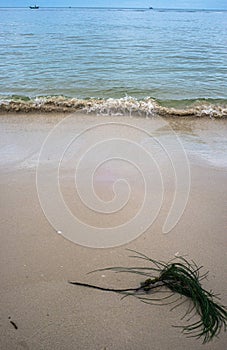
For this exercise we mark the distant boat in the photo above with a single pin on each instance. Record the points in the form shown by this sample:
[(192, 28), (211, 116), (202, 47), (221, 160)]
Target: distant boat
[(35, 7), (150, 8)]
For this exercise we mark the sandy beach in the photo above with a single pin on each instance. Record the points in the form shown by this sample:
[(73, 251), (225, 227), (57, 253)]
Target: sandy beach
[(36, 263)]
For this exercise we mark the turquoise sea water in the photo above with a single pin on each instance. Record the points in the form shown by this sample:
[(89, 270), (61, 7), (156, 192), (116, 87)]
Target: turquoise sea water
[(176, 57)]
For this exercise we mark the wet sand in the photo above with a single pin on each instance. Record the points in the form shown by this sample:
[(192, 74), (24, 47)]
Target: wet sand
[(36, 263)]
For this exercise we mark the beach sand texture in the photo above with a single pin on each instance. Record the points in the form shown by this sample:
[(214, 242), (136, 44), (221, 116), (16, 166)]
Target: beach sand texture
[(36, 263)]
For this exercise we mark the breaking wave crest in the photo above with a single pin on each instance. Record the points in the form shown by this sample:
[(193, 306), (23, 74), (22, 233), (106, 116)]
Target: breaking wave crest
[(147, 107)]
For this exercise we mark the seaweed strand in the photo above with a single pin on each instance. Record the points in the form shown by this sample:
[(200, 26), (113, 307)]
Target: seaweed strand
[(177, 276)]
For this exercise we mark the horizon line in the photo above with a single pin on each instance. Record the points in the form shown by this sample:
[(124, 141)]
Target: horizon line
[(126, 8)]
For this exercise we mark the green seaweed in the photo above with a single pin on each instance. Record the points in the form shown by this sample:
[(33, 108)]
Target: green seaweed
[(178, 276)]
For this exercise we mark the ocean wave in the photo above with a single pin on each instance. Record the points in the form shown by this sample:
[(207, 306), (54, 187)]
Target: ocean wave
[(147, 107)]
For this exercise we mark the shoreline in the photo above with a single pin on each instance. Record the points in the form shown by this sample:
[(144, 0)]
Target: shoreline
[(202, 138), (147, 107)]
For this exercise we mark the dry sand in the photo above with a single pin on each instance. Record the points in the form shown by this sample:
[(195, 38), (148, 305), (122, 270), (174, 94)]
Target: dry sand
[(36, 263)]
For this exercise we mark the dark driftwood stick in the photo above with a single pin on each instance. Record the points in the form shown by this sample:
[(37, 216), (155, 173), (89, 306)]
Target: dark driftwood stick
[(14, 324)]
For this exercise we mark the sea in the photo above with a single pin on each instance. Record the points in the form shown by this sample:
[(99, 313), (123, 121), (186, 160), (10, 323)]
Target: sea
[(109, 60)]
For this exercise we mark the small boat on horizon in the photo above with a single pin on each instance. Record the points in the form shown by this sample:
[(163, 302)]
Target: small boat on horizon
[(151, 8), (35, 7)]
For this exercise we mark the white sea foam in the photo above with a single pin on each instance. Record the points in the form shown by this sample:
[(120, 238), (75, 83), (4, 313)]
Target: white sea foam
[(147, 107)]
